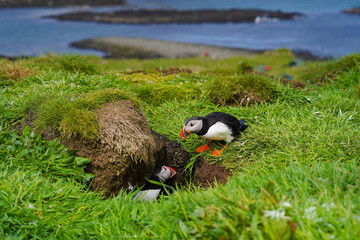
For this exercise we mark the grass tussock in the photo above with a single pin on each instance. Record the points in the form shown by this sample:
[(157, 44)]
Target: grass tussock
[(123, 128), (73, 116), (11, 72), (240, 90), (320, 72)]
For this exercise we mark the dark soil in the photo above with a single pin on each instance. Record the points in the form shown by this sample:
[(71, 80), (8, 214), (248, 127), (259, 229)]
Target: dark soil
[(294, 84), (149, 16), (171, 154), (59, 3)]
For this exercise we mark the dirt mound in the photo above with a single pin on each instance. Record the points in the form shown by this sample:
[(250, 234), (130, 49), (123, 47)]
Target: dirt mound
[(206, 173), (294, 84), (171, 153), (124, 156)]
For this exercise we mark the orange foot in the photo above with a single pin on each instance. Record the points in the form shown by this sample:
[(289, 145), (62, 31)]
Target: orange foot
[(216, 152), (202, 148)]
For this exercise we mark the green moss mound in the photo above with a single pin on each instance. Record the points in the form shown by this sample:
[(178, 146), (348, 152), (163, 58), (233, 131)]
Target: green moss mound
[(243, 89), (73, 116), (320, 72)]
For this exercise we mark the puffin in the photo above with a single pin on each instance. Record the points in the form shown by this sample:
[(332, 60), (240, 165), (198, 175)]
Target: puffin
[(150, 191), (217, 126)]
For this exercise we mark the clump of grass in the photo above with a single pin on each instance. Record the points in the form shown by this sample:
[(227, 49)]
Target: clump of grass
[(66, 63), (157, 93), (73, 116), (320, 72), (79, 123), (242, 89), (11, 72), (32, 151)]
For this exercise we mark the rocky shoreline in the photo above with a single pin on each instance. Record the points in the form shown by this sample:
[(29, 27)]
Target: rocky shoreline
[(58, 3), (149, 16), (124, 47)]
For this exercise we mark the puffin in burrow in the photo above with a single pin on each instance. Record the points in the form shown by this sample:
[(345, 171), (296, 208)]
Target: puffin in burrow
[(214, 126), (150, 191)]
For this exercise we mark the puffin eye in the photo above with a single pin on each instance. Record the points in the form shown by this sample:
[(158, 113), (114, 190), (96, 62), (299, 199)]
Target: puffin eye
[(191, 124)]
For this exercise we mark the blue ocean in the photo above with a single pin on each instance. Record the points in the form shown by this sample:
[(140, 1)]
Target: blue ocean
[(323, 30)]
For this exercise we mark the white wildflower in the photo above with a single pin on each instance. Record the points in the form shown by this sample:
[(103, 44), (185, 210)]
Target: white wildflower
[(310, 213), (285, 204), (275, 214), (31, 206), (328, 206)]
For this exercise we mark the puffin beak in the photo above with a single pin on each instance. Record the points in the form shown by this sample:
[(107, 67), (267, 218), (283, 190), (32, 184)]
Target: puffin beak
[(173, 172), (184, 133)]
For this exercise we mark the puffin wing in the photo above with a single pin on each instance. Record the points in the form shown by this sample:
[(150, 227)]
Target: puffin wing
[(230, 121)]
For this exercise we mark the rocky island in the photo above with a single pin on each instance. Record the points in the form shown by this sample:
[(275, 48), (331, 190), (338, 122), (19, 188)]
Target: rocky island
[(149, 16), (58, 3), (355, 10)]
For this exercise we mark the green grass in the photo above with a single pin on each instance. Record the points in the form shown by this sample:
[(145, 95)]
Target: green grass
[(296, 168)]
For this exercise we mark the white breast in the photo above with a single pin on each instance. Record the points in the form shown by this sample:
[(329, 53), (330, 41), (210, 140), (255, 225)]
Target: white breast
[(219, 131), (148, 195)]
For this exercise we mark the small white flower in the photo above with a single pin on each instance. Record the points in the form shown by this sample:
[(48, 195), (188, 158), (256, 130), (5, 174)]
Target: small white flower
[(328, 206), (285, 204), (310, 213), (275, 214), (31, 206)]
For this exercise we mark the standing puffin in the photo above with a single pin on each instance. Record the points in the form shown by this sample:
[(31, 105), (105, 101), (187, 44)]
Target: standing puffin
[(214, 126), (151, 191)]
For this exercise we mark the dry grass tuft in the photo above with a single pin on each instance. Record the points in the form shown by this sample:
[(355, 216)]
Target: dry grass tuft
[(124, 129), (13, 71)]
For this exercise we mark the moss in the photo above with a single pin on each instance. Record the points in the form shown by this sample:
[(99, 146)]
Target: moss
[(241, 89), (99, 97), (71, 116), (319, 72), (79, 123), (158, 93)]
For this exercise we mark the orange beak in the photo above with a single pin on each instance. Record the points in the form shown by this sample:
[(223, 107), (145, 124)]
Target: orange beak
[(184, 133), (173, 172)]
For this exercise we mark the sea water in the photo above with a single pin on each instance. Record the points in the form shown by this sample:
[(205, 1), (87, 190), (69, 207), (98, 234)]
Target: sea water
[(323, 30)]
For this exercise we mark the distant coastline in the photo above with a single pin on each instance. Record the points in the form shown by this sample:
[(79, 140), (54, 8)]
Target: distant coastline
[(150, 16), (125, 47), (58, 3), (355, 10)]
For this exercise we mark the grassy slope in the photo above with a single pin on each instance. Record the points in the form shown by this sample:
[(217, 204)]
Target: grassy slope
[(296, 167)]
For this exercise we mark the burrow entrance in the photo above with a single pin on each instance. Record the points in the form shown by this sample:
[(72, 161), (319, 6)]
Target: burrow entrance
[(128, 151)]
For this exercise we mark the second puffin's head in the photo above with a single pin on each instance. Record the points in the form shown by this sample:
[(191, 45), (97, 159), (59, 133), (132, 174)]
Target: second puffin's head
[(191, 125), (164, 173)]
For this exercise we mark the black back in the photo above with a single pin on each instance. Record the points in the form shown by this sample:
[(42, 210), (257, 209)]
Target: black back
[(232, 122)]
